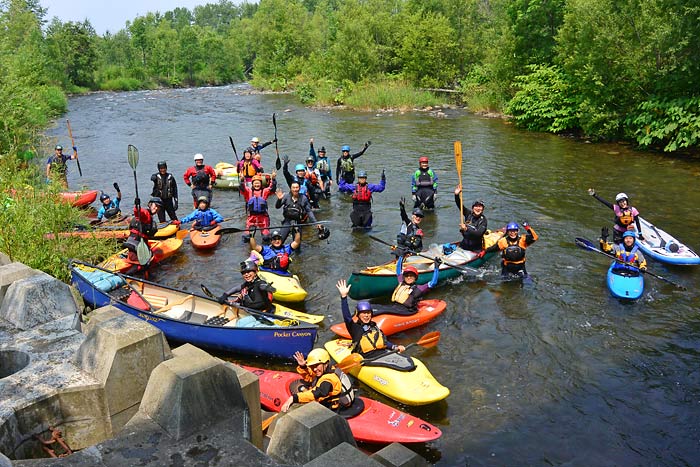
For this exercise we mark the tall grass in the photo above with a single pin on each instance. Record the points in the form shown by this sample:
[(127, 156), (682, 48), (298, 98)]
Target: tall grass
[(389, 94)]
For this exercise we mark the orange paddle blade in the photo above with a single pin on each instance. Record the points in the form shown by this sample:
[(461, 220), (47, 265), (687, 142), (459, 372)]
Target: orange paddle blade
[(351, 361), (268, 421), (182, 233), (429, 340)]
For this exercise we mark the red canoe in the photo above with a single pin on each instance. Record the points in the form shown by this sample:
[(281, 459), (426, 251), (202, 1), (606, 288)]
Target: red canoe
[(375, 422), (391, 324), (79, 198), (205, 239)]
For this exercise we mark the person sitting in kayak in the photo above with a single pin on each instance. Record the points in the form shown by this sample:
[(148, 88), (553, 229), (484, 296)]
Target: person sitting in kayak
[(625, 215), (325, 383), (204, 217), (345, 167), (248, 167), (253, 293), (256, 204), (410, 237), (513, 247), (143, 225), (201, 178), (323, 166), (110, 207), (368, 340), (424, 185), (296, 210), (626, 251), (276, 256), (474, 226), (404, 299), (361, 215)]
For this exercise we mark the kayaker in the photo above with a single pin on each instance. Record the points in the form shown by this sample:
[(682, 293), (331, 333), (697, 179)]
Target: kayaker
[(625, 215), (410, 237), (256, 204), (256, 146), (110, 207), (296, 209), (276, 256), (201, 178), (345, 167), (165, 188), (143, 225), (424, 185), (368, 340), (299, 176), (361, 215), (404, 299), (323, 166), (474, 224), (248, 167), (325, 383), (513, 247), (253, 293), (313, 175), (56, 165), (204, 217), (626, 251)]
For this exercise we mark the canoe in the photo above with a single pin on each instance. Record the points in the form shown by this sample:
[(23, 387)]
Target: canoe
[(391, 323), (370, 421), (167, 230), (287, 285), (376, 281), (191, 318), (226, 176), (161, 249), (624, 283), (79, 198), (415, 387), (663, 247), (205, 239)]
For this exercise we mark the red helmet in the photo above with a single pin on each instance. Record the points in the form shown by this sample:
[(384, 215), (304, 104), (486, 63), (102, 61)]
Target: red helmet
[(423, 159), (410, 269)]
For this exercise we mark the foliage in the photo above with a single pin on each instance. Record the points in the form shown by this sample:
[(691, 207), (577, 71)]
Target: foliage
[(389, 94), (671, 123), (73, 50)]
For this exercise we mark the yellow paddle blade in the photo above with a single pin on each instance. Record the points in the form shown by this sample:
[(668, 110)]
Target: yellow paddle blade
[(351, 361), (268, 421), (182, 233)]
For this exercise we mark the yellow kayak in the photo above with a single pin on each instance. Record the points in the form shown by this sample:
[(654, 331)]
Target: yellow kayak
[(161, 249), (287, 287), (414, 387), (281, 310)]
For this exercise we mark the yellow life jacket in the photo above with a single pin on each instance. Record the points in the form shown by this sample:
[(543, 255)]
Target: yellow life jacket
[(402, 293), (371, 340)]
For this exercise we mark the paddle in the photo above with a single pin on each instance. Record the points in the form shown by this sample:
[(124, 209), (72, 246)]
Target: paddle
[(452, 265), (588, 245), (278, 164), (229, 230), (72, 141), (143, 253), (355, 359), (458, 164), (268, 421), (266, 318), (234, 148)]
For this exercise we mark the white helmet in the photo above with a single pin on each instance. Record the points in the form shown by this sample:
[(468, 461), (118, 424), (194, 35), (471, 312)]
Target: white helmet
[(255, 140), (621, 196), (198, 157)]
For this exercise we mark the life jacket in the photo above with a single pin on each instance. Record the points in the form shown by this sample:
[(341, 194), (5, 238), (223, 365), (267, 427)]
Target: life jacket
[(347, 394), (164, 186), (248, 169), (257, 204), (293, 210), (346, 164), (372, 339), (311, 177), (323, 166), (404, 295), (627, 256), (513, 253), (112, 211), (147, 230), (362, 194), (625, 218), (424, 178), (280, 260), (201, 178), (253, 296)]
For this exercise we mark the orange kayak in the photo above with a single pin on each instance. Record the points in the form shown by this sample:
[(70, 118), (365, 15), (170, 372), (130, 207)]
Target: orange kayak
[(79, 198), (161, 250), (167, 230), (205, 239), (392, 323)]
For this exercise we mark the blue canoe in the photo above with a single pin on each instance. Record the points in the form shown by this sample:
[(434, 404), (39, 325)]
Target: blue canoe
[(624, 282), (663, 247), (191, 318)]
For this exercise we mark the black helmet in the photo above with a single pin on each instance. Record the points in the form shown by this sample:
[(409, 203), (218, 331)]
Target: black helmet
[(104, 197), (162, 165), (249, 149), (156, 200), (276, 234), (248, 265), (478, 202), (323, 233), (322, 150), (418, 212)]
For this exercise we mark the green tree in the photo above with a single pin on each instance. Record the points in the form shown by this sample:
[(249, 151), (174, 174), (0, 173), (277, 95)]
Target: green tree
[(73, 48), (189, 53)]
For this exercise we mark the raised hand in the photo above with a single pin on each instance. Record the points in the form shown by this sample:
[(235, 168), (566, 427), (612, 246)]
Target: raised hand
[(343, 288)]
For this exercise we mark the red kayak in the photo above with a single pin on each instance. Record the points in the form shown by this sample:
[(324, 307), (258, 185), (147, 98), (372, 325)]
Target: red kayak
[(370, 421), (205, 239), (392, 323), (79, 198)]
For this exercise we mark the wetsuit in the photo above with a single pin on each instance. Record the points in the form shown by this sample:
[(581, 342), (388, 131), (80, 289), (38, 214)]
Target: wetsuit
[(513, 252), (256, 294), (361, 215), (473, 236), (295, 211), (424, 186), (200, 178)]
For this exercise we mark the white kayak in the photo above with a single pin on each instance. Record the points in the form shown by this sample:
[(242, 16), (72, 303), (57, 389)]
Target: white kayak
[(663, 247)]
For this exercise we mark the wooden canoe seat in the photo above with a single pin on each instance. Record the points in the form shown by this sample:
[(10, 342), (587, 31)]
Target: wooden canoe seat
[(157, 301)]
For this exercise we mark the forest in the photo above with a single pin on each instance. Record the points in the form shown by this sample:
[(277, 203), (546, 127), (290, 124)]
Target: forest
[(607, 70)]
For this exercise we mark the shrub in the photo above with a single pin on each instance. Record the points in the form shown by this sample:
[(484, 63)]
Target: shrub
[(671, 123)]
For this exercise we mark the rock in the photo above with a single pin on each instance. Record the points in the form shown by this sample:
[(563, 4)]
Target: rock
[(343, 454), (11, 272), (36, 300), (398, 455)]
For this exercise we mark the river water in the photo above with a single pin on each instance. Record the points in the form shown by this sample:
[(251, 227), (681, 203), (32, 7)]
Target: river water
[(550, 373)]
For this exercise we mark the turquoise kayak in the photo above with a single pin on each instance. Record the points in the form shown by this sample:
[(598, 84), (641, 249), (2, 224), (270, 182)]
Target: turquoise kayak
[(625, 282)]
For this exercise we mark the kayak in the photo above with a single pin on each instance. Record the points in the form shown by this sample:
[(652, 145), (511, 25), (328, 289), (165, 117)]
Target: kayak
[(625, 283), (285, 311), (376, 281), (287, 285), (663, 247), (226, 176), (161, 250), (392, 323), (416, 386), (120, 233), (370, 421), (205, 239), (79, 198)]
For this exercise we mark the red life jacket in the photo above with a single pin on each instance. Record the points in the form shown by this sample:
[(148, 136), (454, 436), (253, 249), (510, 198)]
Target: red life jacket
[(362, 194)]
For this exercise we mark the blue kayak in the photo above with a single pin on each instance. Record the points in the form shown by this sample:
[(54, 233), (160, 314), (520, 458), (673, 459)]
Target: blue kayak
[(625, 282)]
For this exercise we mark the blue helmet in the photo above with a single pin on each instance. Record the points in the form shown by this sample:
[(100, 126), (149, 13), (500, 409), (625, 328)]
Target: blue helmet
[(512, 226), (361, 174), (345, 148), (299, 167), (629, 233), (363, 305)]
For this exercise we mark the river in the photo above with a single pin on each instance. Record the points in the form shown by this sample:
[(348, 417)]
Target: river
[(556, 372)]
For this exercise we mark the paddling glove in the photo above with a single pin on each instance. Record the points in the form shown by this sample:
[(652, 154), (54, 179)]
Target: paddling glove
[(285, 159), (604, 233), (481, 254), (75, 149), (526, 226), (116, 186), (222, 299), (245, 238), (212, 222), (176, 222)]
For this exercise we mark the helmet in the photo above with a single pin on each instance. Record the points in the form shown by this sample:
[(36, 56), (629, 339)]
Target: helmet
[(58, 147), (418, 212), (255, 140), (248, 265), (478, 202), (512, 226), (162, 165), (629, 233), (317, 356), (248, 149), (361, 174), (202, 198), (198, 157), (104, 197), (310, 159), (156, 200), (299, 167), (345, 148), (276, 234), (620, 197), (322, 150), (323, 233), (257, 177), (410, 269), (363, 305), (423, 159)]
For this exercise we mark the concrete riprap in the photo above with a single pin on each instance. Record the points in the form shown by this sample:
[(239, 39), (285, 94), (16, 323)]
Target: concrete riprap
[(36, 300), (398, 455), (4, 259), (250, 387), (12, 272), (343, 454)]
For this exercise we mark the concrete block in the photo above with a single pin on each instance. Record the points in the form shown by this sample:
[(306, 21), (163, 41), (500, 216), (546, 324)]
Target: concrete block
[(307, 432), (12, 272), (398, 455), (4, 259), (36, 300), (343, 454), (100, 315), (193, 391), (250, 387), (121, 353), (4, 461)]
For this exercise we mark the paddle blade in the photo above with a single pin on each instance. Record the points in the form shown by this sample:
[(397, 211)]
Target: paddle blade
[(229, 230), (429, 340), (181, 234), (206, 291), (268, 421), (585, 244), (233, 146), (278, 164), (353, 360), (133, 156)]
